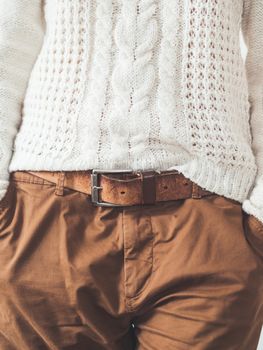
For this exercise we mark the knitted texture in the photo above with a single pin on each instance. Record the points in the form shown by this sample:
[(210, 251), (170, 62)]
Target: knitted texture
[(137, 84)]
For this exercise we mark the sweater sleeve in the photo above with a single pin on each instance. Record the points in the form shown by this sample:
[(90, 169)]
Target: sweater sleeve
[(252, 30), (21, 34)]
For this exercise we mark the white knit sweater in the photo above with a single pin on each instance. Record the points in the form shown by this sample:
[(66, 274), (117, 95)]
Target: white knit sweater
[(135, 84)]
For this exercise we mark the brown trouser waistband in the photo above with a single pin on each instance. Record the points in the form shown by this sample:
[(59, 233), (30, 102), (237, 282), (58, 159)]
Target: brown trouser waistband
[(125, 188)]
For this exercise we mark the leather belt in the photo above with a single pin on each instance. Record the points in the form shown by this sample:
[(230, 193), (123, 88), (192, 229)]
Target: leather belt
[(126, 187)]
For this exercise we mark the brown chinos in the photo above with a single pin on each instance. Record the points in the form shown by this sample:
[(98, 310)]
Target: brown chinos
[(177, 275)]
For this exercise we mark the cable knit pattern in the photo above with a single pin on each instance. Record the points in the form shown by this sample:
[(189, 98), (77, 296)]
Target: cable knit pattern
[(94, 109), (135, 84), (144, 76), (121, 84), (170, 65)]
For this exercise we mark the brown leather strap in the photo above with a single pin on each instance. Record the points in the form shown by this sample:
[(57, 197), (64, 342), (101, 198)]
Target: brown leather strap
[(148, 187), (128, 189)]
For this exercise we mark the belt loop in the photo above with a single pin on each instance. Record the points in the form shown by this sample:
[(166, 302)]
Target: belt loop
[(60, 184), (195, 191)]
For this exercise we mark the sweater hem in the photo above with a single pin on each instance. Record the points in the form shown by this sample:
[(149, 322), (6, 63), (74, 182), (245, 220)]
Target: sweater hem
[(232, 182)]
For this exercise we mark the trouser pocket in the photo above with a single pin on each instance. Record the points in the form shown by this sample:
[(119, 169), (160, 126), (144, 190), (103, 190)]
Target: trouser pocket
[(23, 201), (253, 229), (7, 208), (5, 200)]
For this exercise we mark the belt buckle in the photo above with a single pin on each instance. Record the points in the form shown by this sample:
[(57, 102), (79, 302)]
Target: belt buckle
[(95, 187)]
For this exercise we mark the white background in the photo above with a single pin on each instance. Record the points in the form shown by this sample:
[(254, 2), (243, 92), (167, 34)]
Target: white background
[(244, 52)]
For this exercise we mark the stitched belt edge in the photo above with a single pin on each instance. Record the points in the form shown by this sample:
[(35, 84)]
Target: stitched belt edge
[(132, 190)]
